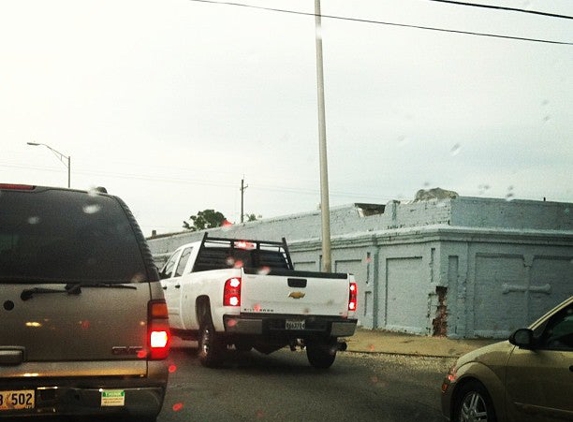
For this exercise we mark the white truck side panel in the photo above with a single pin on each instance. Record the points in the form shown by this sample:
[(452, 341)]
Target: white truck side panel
[(209, 284)]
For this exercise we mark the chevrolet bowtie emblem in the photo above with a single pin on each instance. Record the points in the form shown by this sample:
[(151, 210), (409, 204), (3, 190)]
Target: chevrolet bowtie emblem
[(296, 295)]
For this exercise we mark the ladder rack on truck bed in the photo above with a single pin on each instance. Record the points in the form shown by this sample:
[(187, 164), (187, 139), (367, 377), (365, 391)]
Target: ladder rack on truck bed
[(219, 252)]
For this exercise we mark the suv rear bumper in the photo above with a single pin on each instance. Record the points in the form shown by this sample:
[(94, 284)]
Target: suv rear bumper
[(91, 396), (276, 325)]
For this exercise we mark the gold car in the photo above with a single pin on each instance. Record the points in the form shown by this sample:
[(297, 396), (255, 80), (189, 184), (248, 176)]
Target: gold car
[(527, 378)]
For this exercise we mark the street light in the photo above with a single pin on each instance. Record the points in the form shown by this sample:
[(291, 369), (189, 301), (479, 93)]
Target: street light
[(65, 159)]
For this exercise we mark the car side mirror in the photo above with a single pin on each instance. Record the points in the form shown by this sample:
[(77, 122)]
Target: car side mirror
[(523, 338)]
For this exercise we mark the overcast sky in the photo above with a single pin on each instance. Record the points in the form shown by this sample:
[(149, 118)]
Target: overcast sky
[(170, 103)]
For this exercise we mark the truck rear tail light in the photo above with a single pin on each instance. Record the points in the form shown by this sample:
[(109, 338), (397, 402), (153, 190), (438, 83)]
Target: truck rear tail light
[(232, 292), (353, 297), (159, 336)]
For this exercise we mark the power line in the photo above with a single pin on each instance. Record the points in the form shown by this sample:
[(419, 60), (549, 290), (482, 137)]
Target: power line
[(379, 22), (511, 9), (192, 182)]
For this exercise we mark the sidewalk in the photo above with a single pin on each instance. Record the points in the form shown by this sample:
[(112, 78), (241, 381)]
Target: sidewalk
[(377, 341)]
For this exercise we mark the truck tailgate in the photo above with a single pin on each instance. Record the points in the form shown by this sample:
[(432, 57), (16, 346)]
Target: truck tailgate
[(296, 293)]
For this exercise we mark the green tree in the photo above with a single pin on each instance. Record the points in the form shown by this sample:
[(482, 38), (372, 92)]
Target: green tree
[(253, 217), (206, 219)]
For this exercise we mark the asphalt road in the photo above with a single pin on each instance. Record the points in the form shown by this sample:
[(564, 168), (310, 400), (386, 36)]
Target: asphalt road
[(284, 387)]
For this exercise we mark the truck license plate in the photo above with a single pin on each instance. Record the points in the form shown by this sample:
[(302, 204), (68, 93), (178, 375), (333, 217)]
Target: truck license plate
[(17, 399), (294, 324)]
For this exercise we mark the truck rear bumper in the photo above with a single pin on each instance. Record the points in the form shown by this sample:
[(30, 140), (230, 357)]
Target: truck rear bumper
[(307, 326)]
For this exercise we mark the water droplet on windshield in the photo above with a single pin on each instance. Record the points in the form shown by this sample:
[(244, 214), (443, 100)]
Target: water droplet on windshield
[(483, 189), (546, 113), (138, 278), (455, 150), (92, 209), (509, 196), (34, 220), (264, 270)]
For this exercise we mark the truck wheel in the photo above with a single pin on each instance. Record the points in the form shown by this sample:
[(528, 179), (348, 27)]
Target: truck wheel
[(321, 354), (210, 346)]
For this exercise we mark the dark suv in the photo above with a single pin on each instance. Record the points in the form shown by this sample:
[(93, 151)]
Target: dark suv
[(83, 321)]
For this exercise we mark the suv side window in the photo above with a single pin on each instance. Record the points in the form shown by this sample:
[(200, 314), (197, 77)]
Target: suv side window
[(558, 333), (183, 262)]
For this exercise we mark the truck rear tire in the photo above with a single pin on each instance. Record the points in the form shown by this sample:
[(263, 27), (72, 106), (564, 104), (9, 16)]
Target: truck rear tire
[(210, 346), (321, 354)]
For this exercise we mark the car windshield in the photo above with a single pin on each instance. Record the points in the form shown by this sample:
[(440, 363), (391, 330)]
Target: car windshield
[(416, 156), (57, 236)]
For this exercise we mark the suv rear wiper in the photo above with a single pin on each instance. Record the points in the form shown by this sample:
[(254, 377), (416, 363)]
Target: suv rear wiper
[(106, 285), (72, 289), (69, 289)]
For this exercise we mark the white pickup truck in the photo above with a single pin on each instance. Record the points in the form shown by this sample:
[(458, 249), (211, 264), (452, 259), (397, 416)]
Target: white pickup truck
[(224, 292)]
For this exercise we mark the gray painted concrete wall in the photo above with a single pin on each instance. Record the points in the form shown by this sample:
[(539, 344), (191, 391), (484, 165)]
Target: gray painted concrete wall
[(464, 267)]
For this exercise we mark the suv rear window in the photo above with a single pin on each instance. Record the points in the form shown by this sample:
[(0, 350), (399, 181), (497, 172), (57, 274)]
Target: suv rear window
[(60, 236)]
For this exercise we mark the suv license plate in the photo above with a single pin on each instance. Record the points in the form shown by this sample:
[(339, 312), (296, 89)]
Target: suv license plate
[(294, 324), (17, 399)]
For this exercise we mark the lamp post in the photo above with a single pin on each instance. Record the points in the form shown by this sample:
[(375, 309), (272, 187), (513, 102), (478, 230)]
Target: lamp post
[(65, 159)]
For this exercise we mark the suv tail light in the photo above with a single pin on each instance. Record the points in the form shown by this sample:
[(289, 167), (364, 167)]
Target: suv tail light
[(353, 297), (232, 292), (159, 336)]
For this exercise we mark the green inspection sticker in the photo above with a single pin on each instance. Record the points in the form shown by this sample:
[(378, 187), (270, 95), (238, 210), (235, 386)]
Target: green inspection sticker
[(113, 398)]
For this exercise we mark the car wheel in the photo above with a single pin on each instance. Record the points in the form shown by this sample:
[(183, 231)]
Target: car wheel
[(210, 346), (321, 354), (474, 404)]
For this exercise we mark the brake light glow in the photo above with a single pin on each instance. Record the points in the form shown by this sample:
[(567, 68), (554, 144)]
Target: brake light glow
[(159, 336), (353, 297), (159, 339), (232, 292)]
